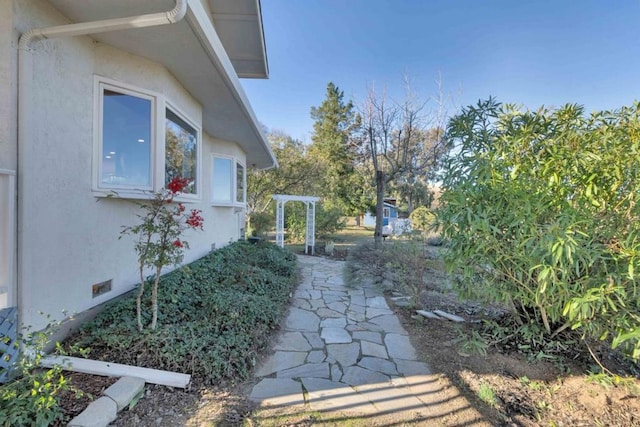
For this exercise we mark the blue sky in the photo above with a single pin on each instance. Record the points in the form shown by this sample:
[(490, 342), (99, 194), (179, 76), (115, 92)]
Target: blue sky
[(525, 52)]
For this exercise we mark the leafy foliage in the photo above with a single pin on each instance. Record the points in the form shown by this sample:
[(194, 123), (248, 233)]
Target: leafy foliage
[(328, 221), (340, 183), (540, 211), (296, 174), (31, 398), (217, 315)]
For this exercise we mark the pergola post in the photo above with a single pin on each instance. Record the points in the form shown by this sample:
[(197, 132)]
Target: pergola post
[(310, 234), (280, 222)]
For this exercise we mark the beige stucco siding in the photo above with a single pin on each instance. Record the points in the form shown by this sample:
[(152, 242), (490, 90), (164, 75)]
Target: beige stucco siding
[(69, 237)]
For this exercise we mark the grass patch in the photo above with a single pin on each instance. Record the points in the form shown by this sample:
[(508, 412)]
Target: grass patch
[(487, 394), (215, 316)]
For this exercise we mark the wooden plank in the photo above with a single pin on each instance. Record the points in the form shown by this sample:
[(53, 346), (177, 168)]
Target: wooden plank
[(428, 314), (449, 316), (108, 369)]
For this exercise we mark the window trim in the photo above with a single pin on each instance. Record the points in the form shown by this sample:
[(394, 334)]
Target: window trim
[(234, 183), (159, 105)]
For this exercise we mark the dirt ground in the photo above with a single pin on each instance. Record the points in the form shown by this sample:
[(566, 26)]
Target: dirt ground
[(504, 387)]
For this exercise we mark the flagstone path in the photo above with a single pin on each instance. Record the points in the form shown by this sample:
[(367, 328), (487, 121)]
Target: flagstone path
[(343, 349)]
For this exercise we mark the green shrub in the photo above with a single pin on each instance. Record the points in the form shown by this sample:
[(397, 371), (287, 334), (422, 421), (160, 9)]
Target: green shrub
[(328, 221), (260, 223), (539, 211), (32, 397), (217, 315), (422, 219)]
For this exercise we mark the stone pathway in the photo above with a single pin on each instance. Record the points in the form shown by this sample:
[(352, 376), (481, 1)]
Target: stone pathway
[(344, 350)]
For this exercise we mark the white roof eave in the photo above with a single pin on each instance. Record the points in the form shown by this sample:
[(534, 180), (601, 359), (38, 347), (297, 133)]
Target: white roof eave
[(200, 23), (192, 51)]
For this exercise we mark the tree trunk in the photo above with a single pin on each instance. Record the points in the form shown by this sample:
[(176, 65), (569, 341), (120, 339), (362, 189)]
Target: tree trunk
[(154, 300), (380, 178), (139, 300)]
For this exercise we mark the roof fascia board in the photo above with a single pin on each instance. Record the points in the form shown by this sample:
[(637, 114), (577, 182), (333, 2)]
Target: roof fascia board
[(202, 27)]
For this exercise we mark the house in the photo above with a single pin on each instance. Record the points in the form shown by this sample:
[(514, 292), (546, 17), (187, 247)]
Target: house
[(389, 217), (101, 98)]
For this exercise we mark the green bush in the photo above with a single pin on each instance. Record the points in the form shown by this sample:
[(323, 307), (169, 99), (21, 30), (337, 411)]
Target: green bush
[(260, 223), (216, 315), (540, 212), (422, 219), (328, 221), (31, 398)]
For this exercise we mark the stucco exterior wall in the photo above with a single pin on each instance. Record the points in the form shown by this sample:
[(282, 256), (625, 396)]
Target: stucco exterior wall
[(69, 237), (8, 70)]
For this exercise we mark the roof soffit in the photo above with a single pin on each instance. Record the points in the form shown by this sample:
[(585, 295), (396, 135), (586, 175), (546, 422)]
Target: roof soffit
[(193, 53)]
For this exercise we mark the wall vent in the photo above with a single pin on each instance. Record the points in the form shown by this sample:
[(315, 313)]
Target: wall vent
[(101, 288)]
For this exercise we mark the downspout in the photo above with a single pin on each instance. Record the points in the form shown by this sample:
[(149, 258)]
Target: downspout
[(24, 66)]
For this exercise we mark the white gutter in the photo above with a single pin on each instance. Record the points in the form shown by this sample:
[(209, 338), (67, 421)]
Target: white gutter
[(69, 30)]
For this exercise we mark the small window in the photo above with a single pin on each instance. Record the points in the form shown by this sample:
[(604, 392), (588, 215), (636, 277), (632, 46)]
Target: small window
[(181, 150), (229, 182), (240, 183), (127, 120), (222, 185), (386, 212)]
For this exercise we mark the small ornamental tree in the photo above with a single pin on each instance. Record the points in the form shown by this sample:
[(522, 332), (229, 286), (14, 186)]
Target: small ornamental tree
[(159, 238)]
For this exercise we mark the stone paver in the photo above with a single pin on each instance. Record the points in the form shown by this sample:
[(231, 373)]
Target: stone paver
[(272, 391), (343, 350)]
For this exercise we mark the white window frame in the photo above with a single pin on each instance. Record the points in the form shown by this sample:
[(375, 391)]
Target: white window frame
[(234, 183), (159, 105)]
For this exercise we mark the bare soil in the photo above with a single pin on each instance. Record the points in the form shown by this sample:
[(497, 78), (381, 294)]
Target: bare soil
[(515, 391)]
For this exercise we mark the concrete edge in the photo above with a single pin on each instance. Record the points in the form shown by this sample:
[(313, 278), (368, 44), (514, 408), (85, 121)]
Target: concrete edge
[(114, 399)]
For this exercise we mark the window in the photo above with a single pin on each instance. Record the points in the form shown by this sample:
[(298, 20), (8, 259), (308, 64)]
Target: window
[(228, 186), (240, 183), (127, 124), (222, 180), (181, 151), (135, 152), (386, 212)]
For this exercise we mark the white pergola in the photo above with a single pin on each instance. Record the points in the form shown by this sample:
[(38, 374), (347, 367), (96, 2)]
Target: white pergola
[(310, 235)]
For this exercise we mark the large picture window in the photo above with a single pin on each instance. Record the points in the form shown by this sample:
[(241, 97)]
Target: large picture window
[(127, 124), (229, 182), (135, 153)]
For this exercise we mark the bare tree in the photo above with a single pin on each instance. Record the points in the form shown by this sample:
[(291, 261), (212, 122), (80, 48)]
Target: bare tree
[(401, 140)]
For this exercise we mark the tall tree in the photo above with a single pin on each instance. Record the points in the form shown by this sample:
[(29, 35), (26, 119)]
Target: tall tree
[(295, 175), (332, 151), (402, 140)]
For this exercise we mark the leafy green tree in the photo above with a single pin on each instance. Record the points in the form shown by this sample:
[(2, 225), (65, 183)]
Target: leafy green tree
[(541, 212), (332, 150), (296, 174)]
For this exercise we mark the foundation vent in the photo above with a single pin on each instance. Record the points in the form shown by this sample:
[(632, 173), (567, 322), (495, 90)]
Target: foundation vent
[(101, 288)]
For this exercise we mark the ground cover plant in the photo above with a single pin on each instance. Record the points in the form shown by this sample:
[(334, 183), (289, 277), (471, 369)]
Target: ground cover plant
[(539, 211), (217, 315)]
